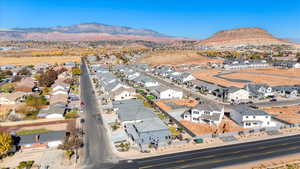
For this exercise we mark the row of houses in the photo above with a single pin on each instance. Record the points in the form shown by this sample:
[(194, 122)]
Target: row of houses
[(158, 90), (140, 123), (245, 64), (61, 99)]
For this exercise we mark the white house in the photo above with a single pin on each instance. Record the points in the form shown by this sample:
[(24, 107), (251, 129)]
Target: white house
[(209, 113), (4, 100), (167, 93), (57, 92), (123, 94), (237, 95), (248, 117)]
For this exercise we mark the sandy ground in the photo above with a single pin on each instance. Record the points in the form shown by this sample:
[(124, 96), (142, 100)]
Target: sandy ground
[(226, 125), (182, 102), (176, 57), (268, 163), (52, 157), (289, 113), (270, 76), (37, 60)]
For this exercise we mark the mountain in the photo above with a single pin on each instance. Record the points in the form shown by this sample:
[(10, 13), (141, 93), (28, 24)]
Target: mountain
[(84, 31), (241, 37), (295, 40)]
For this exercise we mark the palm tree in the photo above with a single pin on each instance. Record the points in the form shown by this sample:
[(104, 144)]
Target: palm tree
[(6, 142)]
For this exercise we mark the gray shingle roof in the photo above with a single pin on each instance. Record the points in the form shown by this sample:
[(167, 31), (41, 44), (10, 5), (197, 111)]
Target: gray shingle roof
[(132, 109), (44, 137)]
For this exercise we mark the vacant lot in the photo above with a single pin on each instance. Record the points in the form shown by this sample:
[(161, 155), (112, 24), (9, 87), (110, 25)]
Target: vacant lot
[(290, 114), (176, 57), (272, 76), (226, 125), (37, 60)]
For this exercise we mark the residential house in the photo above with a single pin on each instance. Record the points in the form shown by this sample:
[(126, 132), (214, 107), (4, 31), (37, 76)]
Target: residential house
[(286, 91), (248, 117), (42, 140), (26, 85), (287, 64), (10, 98), (163, 92), (209, 113), (122, 93), (184, 78), (53, 111), (245, 64), (141, 124), (259, 90), (237, 95)]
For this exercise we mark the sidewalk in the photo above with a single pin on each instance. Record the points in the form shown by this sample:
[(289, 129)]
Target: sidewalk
[(209, 143)]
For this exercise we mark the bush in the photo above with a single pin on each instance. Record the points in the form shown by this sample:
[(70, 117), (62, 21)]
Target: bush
[(69, 153), (25, 164)]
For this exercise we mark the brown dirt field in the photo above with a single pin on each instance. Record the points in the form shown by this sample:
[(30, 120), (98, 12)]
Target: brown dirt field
[(182, 102), (226, 125), (176, 57), (207, 75), (275, 71), (270, 80), (289, 114), (37, 60)]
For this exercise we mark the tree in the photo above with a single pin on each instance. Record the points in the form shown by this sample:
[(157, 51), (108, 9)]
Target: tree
[(37, 102), (24, 71), (7, 88), (76, 71), (6, 142), (48, 78)]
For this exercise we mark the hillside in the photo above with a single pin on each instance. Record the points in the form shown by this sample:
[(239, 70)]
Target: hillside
[(84, 31), (242, 36)]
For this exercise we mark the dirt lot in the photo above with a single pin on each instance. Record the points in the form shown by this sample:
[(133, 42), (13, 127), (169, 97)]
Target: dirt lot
[(226, 125), (176, 57), (37, 60), (182, 102), (272, 76), (290, 114)]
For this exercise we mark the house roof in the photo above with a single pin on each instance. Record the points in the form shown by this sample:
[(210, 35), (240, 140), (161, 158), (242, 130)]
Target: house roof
[(44, 137), (208, 106), (148, 125), (132, 109), (247, 111)]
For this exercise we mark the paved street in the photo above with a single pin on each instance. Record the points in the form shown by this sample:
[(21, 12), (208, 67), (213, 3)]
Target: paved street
[(278, 103), (220, 156), (98, 151)]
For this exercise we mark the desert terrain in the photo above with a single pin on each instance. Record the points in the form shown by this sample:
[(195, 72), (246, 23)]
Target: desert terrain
[(176, 57)]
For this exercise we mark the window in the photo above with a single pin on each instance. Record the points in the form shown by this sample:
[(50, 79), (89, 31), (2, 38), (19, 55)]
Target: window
[(246, 117), (267, 117), (254, 117), (248, 124), (195, 112)]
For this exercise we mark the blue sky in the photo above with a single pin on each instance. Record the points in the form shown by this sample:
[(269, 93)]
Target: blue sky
[(189, 18)]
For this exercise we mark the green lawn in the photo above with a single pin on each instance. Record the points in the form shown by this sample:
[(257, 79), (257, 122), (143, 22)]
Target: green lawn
[(34, 131)]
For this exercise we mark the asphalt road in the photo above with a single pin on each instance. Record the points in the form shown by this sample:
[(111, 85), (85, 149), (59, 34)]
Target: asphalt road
[(220, 156), (97, 150), (278, 103)]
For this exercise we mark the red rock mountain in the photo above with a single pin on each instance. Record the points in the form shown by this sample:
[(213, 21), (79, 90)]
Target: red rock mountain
[(242, 36)]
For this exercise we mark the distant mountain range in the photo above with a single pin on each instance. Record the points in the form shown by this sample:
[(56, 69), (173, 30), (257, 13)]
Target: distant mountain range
[(242, 36), (84, 31)]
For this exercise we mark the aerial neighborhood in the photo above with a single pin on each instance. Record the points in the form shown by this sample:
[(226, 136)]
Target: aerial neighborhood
[(100, 96)]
